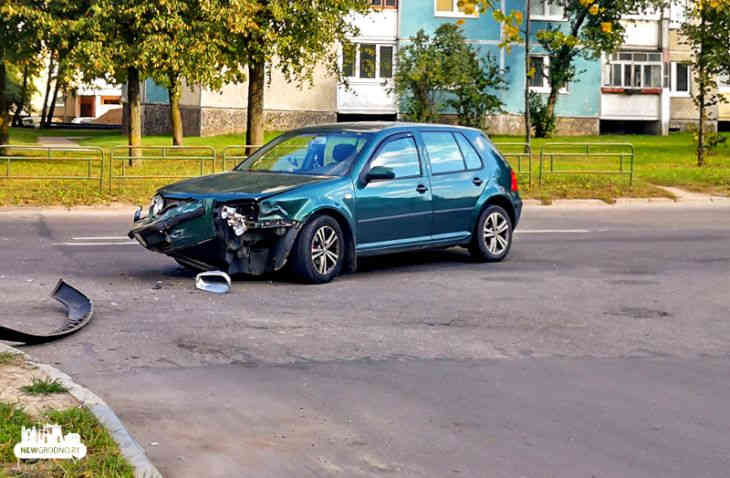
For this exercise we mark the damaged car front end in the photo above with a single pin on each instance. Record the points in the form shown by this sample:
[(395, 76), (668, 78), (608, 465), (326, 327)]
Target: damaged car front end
[(208, 234)]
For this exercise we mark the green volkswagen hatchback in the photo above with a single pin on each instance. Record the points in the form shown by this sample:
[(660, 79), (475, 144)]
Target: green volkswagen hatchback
[(319, 198)]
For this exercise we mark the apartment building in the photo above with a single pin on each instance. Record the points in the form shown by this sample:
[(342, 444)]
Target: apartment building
[(644, 87)]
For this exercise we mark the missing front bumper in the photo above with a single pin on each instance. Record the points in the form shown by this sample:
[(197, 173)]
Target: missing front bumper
[(215, 238)]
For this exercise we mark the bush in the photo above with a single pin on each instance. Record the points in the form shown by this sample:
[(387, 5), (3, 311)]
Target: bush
[(542, 122), (712, 138), (446, 70)]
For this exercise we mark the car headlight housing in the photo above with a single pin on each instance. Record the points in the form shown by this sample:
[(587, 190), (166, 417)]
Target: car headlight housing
[(158, 204)]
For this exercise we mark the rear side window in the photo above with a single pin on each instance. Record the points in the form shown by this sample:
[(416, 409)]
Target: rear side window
[(473, 161), (443, 152), (401, 156)]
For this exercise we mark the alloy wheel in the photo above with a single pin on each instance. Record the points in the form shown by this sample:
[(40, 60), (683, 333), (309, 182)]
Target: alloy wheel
[(496, 233), (325, 250)]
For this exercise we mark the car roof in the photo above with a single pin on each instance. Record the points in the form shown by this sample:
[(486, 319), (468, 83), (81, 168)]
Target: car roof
[(373, 127)]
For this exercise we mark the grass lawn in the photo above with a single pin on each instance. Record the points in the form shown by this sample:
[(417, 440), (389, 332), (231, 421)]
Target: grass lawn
[(659, 160), (103, 459), (667, 160)]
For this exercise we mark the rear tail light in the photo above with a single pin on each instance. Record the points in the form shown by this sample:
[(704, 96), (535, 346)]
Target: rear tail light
[(514, 187)]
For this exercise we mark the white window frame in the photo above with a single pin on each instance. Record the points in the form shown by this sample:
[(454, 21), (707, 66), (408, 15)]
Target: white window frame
[(652, 14), (546, 16), (356, 67), (677, 13), (673, 81), (723, 84), (454, 12), (545, 72), (614, 59)]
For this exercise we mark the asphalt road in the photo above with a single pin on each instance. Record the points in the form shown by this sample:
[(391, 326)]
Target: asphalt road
[(600, 348)]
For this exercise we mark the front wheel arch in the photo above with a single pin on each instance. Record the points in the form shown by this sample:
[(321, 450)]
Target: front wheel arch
[(350, 264)]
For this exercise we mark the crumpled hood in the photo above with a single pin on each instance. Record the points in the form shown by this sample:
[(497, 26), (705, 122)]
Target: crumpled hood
[(242, 184)]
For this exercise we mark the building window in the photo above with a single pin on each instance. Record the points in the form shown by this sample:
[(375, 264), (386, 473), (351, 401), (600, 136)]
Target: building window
[(384, 3), (678, 12), (540, 64), (450, 8), (110, 100), (680, 81), (723, 83), (634, 70), (367, 61), (349, 52), (546, 10)]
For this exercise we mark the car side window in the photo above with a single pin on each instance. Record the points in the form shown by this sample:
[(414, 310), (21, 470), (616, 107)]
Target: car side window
[(443, 152), (400, 156), (473, 161)]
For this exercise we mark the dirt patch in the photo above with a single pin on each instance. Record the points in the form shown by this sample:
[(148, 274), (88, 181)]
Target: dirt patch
[(18, 373)]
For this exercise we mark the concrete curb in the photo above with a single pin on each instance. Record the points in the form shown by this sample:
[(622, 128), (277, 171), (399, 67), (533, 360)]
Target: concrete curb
[(130, 449), (627, 203)]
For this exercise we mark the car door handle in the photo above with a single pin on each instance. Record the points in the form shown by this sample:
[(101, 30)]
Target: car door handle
[(477, 181), (421, 188)]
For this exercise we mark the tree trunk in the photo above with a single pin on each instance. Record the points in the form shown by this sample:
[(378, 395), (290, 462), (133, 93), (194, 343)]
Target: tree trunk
[(44, 110), (701, 131), (23, 93), (552, 99), (175, 114), (255, 116), (4, 107), (702, 87), (52, 106), (135, 115), (528, 125)]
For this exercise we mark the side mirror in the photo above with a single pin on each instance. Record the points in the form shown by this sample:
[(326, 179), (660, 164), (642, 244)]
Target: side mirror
[(379, 173)]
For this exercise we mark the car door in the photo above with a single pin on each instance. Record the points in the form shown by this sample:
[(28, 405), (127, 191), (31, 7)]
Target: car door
[(394, 213), (457, 181)]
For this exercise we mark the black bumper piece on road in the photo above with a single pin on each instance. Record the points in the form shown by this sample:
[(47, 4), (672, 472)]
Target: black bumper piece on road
[(79, 311)]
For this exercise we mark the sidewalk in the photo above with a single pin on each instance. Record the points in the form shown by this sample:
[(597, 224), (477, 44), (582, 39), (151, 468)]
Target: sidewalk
[(22, 371)]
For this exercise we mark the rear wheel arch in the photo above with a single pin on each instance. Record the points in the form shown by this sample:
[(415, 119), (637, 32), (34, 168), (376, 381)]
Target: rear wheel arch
[(501, 201)]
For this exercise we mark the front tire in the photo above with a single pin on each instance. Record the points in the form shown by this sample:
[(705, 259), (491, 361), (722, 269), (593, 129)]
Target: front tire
[(492, 236), (319, 253)]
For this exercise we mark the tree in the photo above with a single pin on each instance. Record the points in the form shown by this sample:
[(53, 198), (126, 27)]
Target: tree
[(419, 78), (446, 71), (21, 22), (707, 31), (591, 27), (26, 90), (293, 37), (115, 46), (188, 46)]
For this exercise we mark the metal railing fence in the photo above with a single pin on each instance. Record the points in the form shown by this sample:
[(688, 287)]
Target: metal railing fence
[(622, 153), (57, 163), (236, 154), (167, 162)]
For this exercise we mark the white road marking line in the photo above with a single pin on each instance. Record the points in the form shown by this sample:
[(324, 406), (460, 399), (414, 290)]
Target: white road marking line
[(552, 231), (126, 243), (100, 238)]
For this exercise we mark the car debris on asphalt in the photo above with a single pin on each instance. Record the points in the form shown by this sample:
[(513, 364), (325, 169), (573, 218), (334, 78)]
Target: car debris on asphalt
[(213, 281), (79, 311)]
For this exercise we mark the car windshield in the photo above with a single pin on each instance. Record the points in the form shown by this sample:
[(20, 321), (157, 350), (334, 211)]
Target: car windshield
[(325, 154)]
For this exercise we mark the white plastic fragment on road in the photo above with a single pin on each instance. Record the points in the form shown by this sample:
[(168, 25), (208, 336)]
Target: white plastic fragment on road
[(217, 282)]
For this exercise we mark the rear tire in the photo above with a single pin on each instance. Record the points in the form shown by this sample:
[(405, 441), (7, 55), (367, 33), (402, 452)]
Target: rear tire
[(319, 252), (492, 235)]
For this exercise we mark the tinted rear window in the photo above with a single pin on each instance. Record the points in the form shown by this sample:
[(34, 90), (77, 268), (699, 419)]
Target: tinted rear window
[(443, 152), (473, 161)]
